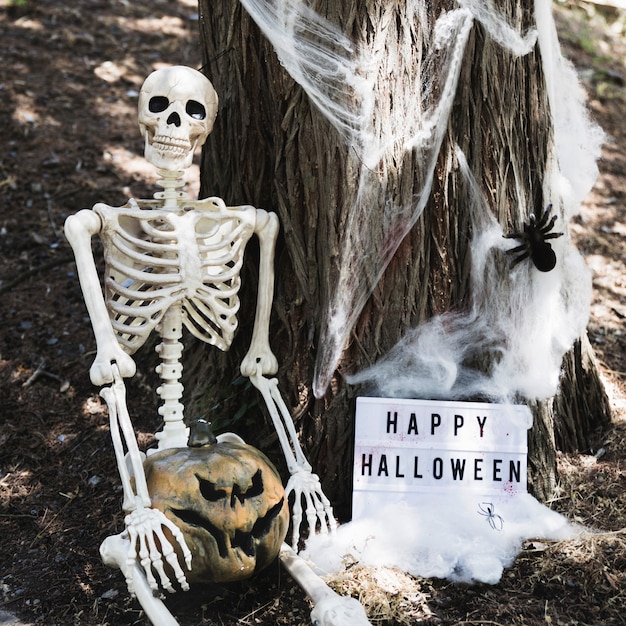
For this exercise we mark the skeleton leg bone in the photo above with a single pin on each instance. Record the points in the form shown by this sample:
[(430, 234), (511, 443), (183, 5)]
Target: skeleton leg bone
[(331, 609), (303, 483), (114, 551)]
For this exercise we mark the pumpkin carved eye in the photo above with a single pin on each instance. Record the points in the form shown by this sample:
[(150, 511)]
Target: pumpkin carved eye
[(210, 492), (229, 503)]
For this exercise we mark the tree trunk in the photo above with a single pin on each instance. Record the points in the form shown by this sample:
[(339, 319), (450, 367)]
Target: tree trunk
[(272, 148)]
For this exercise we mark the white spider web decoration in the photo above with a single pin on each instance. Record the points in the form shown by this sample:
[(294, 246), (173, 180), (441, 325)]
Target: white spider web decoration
[(349, 87), (530, 322), (349, 83)]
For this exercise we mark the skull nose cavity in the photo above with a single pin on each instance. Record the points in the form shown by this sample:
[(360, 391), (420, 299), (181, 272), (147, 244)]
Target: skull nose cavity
[(174, 118)]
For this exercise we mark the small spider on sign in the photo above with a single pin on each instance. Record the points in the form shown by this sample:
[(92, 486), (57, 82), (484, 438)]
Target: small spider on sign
[(487, 510), (534, 244)]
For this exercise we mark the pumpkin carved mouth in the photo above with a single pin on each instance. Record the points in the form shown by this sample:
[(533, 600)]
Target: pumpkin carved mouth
[(245, 540)]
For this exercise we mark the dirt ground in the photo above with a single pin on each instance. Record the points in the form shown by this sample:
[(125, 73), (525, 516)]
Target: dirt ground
[(69, 78)]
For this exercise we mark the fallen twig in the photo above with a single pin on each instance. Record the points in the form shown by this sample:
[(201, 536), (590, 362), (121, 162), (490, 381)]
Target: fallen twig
[(40, 371)]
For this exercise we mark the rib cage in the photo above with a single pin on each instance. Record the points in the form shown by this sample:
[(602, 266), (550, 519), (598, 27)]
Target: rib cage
[(157, 257)]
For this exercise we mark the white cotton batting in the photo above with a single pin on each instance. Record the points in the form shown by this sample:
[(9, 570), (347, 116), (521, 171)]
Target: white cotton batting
[(443, 538), (524, 320)]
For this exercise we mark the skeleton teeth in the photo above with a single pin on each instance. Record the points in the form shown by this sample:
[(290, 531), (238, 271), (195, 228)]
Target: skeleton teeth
[(165, 144)]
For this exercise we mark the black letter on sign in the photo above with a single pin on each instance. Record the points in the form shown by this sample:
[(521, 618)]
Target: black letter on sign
[(435, 422), (392, 422), (458, 468), (496, 470), (416, 473), (366, 465), (514, 470), (437, 468), (481, 425), (412, 425), (458, 423), (382, 466), (398, 474), (477, 470)]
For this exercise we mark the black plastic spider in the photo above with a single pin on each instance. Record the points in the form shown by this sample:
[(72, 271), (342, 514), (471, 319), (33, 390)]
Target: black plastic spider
[(534, 244)]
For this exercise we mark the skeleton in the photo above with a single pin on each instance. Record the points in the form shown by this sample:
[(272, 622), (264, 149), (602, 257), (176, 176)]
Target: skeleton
[(172, 263)]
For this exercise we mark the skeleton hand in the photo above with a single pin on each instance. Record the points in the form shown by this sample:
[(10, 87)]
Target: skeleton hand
[(306, 485), (101, 371), (259, 360), (142, 526)]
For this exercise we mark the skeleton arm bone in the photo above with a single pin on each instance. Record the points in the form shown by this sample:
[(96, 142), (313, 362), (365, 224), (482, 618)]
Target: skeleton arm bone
[(79, 229), (143, 524), (303, 483), (121, 428), (260, 353)]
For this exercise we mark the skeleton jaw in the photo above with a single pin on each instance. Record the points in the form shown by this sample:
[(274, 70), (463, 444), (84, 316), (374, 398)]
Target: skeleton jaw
[(169, 153)]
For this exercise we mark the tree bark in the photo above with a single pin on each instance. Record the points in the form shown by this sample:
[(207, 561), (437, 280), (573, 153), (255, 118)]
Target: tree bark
[(273, 149)]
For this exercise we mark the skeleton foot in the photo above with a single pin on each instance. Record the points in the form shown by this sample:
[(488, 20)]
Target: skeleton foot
[(306, 486), (339, 611), (330, 609), (143, 525)]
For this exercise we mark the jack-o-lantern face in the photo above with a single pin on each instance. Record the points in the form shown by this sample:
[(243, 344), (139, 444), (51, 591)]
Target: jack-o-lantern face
[(229, 502)]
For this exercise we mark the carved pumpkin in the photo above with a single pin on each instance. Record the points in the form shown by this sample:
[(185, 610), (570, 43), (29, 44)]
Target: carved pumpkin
[(229, 502)]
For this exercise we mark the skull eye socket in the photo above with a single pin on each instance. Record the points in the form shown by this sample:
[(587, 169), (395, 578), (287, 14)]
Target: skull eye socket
[(196, 110), (158, 104)]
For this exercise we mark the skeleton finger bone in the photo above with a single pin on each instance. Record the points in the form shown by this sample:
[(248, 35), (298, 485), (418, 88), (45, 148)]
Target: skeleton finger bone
[(170, 555), (296, 517), (311, 510), (156, 560), (143, 524), (131, 560), (145, 556), (306, 487)]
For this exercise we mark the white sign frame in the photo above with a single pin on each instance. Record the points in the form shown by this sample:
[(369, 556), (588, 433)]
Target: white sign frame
[(404, 448)]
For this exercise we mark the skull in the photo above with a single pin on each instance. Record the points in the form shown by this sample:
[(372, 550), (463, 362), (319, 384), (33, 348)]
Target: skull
[(177, 109)]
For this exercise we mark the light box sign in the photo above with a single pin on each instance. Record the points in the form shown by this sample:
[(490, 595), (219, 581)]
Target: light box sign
[(406, 447)]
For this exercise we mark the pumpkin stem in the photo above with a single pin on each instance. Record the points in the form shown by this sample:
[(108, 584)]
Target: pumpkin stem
[(201, 433)]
